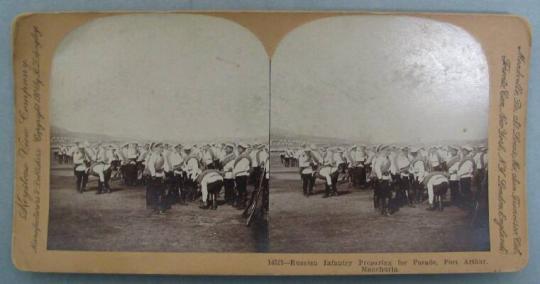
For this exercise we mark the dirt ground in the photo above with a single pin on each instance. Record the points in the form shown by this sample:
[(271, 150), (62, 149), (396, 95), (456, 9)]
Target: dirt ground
[(348, 223), (119, 221)]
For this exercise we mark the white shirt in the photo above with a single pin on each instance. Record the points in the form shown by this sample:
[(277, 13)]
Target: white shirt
[(228, 169), (466, 169), (132, 153), (452, 170), (175, 160), (155, 164), (379, 163), (419, 170), (478, 160), (434, 159), (403, 164), (304, 164), (242, 167), (192, 167)]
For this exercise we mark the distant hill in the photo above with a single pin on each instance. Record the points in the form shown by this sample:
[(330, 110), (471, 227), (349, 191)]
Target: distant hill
[(285, 138), (62, 135), (282, 135)]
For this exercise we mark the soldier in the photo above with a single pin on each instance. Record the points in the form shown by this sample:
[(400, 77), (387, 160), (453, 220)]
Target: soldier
[(228, 177), (256, 170), (357, 159), (437, 186), (381, 168), (144, 154), (306, 163), (192, 168), (329, 171), (210, 181), (176, 192), (434, 160), (452, 163), (265, 184), (80, 167), (479, 157), (418, 169), (465, 173), (241, 170), (156, 184), (403, 165), (209, 157)]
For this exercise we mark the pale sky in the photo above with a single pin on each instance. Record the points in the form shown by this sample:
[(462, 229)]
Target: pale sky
[(161, 77), (380, 79)]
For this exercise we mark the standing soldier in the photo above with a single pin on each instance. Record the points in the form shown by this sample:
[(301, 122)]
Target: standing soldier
[(434, 160), (102, 169), (144, 154), (452, 164), (465, 173), (80, 167), (418, 169), (241, 170), (176, 191), (192, 169), (156, 184), (403, 165), (209, 157), (329, 171), (357, 165), (228, 167), (255, 174), (381, 168), (479, 158), (306, 163)]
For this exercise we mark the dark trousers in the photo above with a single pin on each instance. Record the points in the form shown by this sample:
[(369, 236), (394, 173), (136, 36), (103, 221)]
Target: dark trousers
[(82, 179), (255, 176), (454, 192), (382, 195), (173, 188), (332, 189), (466, 192), (157, 188), (361, 176), (439, 191), (229, 190), (266, 194), (241, 190), (104, 186), (213, 192), (129, 171), (418, 191), (405, 190), (308, 181)]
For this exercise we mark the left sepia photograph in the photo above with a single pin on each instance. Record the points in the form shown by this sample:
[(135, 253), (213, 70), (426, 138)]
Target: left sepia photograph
[(159, 136)]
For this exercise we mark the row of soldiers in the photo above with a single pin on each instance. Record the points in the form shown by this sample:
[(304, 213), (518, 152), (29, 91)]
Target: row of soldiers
[(176, 173), (399, 175)]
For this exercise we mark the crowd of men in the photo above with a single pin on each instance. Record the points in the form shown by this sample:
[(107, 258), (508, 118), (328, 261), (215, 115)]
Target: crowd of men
[(173, 174), (399, 175)]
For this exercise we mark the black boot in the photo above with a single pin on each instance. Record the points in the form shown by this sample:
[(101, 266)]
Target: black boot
[(326, 191), (100, 188), (431, 208), (204, 205), (214, 202)]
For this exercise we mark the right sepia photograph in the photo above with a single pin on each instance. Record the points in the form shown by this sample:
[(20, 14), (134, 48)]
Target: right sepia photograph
[(378, 138)]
